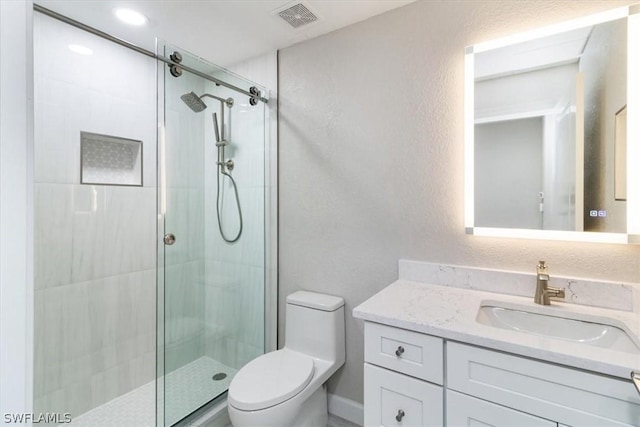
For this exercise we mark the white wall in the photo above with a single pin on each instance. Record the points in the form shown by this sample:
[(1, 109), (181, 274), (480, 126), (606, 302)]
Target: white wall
[(94, 245), (371, 158), (16, 207)]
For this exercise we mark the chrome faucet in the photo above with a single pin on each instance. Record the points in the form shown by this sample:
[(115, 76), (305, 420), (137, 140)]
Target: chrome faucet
[(543, 290)]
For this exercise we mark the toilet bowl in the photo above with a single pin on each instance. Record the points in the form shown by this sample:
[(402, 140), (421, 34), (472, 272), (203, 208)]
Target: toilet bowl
[(286, 387)]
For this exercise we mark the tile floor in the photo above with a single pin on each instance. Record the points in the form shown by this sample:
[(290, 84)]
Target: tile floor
[(186, 389)]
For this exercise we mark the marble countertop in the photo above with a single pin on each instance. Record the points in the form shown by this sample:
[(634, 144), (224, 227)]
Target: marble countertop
[(450, 313)]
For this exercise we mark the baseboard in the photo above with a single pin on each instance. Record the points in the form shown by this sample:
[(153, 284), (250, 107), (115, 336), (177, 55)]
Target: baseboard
[(346, 409)]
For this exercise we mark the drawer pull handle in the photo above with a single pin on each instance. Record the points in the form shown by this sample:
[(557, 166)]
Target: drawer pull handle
[(400, 415), (635, 377), (399, 352)]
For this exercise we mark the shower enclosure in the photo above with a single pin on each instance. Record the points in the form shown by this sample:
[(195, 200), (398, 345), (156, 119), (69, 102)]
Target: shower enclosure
[(211, 234), (143, 310)]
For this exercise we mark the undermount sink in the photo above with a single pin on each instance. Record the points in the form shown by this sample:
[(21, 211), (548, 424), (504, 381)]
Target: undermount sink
[(593, 333)]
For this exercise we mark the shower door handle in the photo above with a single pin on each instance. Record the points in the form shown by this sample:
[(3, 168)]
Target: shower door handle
[(169, 239)]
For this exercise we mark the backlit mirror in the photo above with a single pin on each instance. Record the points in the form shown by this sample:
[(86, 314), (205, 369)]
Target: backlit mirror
[(549, 150)]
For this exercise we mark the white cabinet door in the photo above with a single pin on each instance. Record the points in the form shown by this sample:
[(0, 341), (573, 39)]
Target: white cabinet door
[(467, 411), (568, 396), (394, 400)]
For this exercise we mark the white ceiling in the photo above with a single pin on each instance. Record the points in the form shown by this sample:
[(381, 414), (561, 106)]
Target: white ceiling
[(544, 52), (222, 31)]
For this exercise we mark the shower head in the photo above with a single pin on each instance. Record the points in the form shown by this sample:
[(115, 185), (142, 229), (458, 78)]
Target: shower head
[(194, 102)]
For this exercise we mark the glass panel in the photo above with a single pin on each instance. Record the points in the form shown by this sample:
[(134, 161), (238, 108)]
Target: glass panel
[(213, 290), (94, 244)]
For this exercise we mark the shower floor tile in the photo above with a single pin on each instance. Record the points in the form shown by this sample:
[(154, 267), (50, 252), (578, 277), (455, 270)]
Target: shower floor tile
[(186, 389), (136, 408), (190, 387)]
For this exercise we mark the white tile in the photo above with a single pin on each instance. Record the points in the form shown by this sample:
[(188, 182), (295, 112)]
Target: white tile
[(93, 335), (87, 232), (75, 93), (129, 229), (53, 207)]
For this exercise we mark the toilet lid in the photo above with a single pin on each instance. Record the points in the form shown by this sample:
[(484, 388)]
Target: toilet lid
[(270, 379)]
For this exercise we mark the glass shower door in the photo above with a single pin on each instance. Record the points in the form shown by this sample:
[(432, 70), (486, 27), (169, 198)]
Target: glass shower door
[(211, 252)]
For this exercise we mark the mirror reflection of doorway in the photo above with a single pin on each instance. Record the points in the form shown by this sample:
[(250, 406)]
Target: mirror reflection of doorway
[(525, 172), (509, 173)]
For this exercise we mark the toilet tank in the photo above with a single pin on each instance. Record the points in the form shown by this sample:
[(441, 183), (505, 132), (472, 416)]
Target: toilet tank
[(315, 325)]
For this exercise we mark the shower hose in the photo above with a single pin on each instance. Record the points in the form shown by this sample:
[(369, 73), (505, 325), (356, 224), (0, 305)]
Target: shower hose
[(235, 190)]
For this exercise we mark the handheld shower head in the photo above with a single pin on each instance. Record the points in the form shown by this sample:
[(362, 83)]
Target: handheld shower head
[(216, 130), (194, 102)]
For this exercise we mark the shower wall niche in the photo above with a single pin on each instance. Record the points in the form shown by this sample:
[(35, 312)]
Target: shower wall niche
[(110, 160), (95, 253)]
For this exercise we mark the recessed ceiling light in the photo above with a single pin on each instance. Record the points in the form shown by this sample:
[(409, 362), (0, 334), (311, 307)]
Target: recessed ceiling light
[(130, 16), (82, 50)]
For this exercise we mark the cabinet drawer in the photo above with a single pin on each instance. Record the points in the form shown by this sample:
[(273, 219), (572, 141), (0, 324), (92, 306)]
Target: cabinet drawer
[(463, 411), (392, 399), (410, 353), (559, 393)]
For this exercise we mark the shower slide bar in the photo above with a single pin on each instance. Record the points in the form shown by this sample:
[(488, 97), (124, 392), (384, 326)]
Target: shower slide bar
[(141, 50)]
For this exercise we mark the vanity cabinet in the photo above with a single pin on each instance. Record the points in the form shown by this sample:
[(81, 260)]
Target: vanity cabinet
[(413, 379), (566, 395)]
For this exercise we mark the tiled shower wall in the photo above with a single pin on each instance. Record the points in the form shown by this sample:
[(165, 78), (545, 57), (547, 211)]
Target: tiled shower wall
[(235, 272), (184, 217), (94, 244)]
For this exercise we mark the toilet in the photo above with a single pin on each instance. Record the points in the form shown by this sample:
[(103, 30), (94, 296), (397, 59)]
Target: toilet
[(286, 387)]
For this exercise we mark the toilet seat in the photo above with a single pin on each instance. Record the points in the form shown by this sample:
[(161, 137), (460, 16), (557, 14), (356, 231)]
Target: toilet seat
[(270, 379)]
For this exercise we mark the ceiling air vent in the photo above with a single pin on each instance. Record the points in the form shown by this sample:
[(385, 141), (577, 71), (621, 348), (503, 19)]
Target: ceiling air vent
[(297, 15)]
